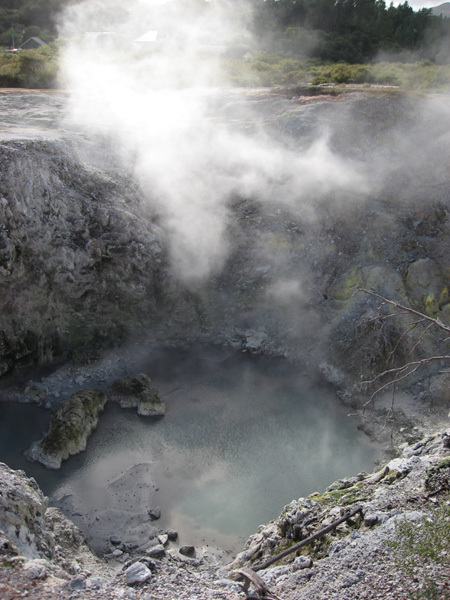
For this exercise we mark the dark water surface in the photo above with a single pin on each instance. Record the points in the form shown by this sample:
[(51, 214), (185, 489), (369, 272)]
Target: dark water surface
[(242, 437)]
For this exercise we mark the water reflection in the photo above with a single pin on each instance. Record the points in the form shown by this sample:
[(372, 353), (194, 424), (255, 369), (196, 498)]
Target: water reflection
[(242, 437)]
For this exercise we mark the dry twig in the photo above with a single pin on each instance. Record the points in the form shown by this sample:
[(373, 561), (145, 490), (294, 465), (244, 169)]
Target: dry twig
[(399, 374)]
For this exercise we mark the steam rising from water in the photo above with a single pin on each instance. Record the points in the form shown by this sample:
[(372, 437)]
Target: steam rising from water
[(155, 103)]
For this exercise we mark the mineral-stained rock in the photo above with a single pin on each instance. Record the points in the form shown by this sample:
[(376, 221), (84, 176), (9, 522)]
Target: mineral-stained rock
[(70, 427), (139, 393)]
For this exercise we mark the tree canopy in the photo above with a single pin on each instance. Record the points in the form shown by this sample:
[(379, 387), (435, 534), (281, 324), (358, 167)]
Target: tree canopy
[(354, 31)]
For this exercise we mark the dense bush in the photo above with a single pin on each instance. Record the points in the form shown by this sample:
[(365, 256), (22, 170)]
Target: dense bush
[(270, 69), (30, 68)]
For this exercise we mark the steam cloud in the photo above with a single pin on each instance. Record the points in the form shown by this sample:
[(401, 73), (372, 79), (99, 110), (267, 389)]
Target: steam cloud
[(157, 103)]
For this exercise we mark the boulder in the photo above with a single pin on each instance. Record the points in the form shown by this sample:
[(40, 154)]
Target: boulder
[(70, 426), (138, 392)]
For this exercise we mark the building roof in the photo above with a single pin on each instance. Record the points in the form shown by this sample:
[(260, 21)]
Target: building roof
[(150, 36), (34, 42)]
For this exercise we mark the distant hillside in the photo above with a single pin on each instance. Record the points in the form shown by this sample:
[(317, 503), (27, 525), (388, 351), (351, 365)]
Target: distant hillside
[(442, 9)]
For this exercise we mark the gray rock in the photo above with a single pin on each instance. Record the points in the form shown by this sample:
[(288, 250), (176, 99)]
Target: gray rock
[(336, 547), (115, 541), (139, 393), (35, 569), (255, 340), (130, 546), (187, 550), (137, 573), (302, 562), (156, 551), (370, 519), (96, 582), (154, 513), (172, 535), (77, 583)]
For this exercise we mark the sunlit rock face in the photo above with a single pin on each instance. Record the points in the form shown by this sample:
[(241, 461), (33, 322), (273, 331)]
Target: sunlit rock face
[(322, 194)]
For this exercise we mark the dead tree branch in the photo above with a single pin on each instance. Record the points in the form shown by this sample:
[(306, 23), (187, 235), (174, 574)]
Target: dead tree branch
[(401, 307), (308, 540), (399, 374)]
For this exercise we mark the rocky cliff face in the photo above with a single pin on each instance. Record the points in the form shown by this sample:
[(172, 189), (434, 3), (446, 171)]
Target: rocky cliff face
[(84, 255), (76, 254)]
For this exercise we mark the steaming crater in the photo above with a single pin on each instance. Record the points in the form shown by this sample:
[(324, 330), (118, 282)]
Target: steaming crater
[(87, 255), (242, 436)]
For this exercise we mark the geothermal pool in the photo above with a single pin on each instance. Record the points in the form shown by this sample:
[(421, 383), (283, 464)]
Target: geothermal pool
[(243, 436)]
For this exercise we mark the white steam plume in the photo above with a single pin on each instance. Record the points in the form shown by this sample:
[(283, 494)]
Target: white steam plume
[(154, 101)]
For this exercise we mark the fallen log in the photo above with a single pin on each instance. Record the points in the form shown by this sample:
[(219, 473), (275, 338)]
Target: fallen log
[(307, 541)]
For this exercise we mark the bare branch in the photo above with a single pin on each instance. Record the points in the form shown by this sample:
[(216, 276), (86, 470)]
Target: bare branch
[(436, 321)]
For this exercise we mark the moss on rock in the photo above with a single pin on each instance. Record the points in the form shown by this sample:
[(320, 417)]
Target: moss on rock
[(70, 427), (138, 392)]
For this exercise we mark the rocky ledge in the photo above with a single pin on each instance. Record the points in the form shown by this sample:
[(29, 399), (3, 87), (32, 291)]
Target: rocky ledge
[(43, 554), (137, 392)]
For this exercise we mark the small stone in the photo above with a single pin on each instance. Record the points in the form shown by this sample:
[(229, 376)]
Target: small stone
[(96, 583), (370, 519), (77, 583), (137, 573), (187, 551), (172, 535), (115, 541), (157, 550), (302, 562), (336, 547), (117, 552), (35, 570), (148, 562), (163, 539), (130, 546), (154, 513)]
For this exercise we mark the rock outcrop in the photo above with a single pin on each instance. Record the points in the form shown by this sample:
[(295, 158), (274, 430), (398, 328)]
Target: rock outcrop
[(138, 392), (70, 426)]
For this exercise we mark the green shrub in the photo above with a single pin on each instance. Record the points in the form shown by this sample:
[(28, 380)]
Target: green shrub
[(422, 551), (29, 68)]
